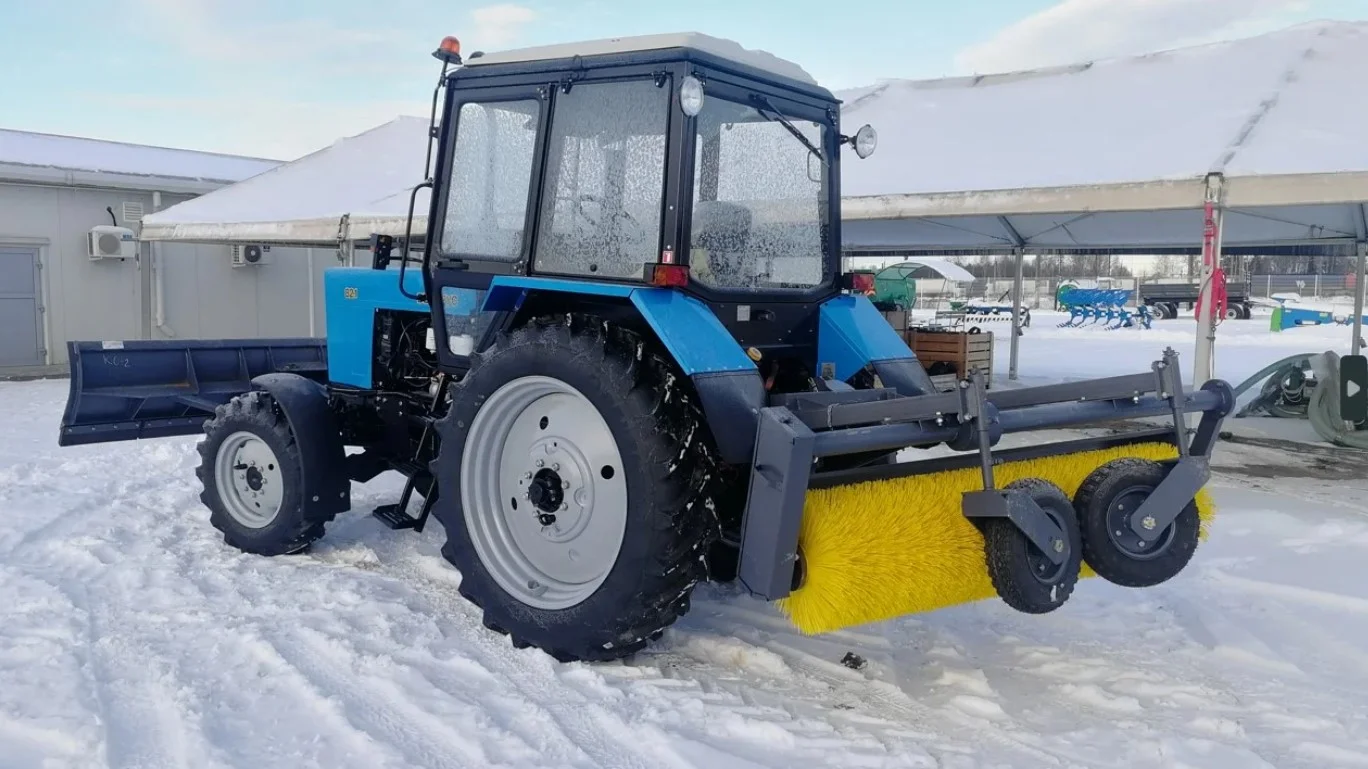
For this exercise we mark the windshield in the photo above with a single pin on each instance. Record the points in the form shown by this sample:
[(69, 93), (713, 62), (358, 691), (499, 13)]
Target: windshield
[(760, 200)]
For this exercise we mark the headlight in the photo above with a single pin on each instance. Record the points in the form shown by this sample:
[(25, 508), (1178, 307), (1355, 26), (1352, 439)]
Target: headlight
[(691, 96), (866, 139)]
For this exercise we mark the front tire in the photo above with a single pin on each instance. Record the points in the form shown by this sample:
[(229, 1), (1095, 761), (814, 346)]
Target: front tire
[(573, 473), (252, 479)]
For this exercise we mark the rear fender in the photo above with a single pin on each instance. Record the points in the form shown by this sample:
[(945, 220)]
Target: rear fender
[(304, 402), (726, 379)]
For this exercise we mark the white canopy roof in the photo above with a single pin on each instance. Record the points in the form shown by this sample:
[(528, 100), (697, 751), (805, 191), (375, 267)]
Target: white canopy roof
[(367, 178), (1110, 154), (1116, 153)]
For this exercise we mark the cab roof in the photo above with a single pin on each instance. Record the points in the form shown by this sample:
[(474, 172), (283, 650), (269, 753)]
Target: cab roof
[(689, 45)]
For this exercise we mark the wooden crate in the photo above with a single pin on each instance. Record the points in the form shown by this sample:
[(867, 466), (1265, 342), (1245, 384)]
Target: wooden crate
[(897, 319), (959, 348)]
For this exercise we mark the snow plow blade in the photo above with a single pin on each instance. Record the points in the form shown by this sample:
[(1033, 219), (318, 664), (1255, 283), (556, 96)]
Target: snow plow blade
[(867, 544), (155, 389)]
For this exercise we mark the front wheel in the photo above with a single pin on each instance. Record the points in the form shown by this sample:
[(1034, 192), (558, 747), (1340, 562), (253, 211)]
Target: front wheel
[(252, 478), (573, 500)]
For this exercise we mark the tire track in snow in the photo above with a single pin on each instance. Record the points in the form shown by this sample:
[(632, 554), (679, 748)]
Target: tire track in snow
[(600, 732), (144, 718), (142, 729), (139, 730), (421, 739), (877, 707)]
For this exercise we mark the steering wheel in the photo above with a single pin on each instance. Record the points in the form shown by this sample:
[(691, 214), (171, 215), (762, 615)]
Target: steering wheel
[(597, 222)]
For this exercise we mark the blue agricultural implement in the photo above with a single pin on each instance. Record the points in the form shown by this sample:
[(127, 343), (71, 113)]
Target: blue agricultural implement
[(623, 358), (1089, 306)]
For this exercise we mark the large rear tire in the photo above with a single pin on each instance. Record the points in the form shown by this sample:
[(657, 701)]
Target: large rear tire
[(252, 479), (572, 475)]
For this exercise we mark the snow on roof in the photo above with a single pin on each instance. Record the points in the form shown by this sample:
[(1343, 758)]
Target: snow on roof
[(1102, 154), (367, 177), (25, 155), (945, 268), (1282, 103), (719, 47)]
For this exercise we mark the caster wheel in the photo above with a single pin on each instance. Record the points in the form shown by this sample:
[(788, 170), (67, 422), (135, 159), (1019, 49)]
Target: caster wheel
[(1022, 575), (1104, 504)]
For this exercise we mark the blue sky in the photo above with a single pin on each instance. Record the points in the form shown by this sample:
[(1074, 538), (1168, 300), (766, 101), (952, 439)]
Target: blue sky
[(280, 78)]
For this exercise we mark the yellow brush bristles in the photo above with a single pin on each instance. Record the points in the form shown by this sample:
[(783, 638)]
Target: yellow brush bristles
[(883, 549)]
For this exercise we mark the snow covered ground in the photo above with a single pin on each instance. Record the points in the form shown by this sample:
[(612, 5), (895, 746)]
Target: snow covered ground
[(130, 636)]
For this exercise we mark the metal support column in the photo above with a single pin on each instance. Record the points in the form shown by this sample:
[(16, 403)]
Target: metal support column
[(1361, 231), (1204, 364), (1016, 313), (313, 291), (1359, 290), (1020, 253)]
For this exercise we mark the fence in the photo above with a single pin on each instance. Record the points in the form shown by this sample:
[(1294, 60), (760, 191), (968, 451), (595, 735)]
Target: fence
[(1039, 293)]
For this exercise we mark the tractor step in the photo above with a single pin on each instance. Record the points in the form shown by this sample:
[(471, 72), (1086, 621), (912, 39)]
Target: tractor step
[(395, 518)]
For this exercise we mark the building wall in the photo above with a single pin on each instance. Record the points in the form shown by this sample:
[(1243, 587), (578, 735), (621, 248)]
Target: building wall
[(82, 299), (207, 298), (201, 295)]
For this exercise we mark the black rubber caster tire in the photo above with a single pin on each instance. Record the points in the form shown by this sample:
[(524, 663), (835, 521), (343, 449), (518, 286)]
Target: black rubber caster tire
[(1023, 577), (1128, 481), (291, 530)]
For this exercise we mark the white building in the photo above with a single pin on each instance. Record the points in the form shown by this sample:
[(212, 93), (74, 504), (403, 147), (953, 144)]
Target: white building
[(54, 192)]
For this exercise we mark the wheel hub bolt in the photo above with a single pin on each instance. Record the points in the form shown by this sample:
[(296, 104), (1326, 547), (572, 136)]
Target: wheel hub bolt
[(1149, 523), (1059, 545), (541, 463)]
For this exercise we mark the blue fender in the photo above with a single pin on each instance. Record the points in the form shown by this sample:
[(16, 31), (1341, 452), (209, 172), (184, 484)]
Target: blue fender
[(851, 333), (691, 332), (726, 379), (304, 402)]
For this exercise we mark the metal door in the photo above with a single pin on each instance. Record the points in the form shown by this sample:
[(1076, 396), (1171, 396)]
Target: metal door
[(21, 339)]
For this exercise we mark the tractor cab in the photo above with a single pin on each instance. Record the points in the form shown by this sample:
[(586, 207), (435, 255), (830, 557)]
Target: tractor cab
[(678, 161)]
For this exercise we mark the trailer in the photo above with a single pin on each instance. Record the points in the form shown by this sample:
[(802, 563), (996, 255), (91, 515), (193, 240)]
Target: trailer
[(1165, 295)]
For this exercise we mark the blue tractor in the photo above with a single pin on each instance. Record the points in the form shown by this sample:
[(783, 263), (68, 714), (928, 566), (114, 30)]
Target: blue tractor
[(623, 358)]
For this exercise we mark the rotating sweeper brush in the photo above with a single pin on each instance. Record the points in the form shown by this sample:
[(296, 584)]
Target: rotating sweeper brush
[(1022, 524)]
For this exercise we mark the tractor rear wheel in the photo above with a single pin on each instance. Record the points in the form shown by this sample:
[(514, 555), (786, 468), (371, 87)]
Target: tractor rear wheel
[(572, 479), (252, 479)]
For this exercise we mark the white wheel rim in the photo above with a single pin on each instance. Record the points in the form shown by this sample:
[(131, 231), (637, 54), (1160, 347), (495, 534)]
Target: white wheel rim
[(249, 481), (549, 547)]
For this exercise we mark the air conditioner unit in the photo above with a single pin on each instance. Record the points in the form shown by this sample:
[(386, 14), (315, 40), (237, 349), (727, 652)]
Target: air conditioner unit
[(251, 255), (106, 241)]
